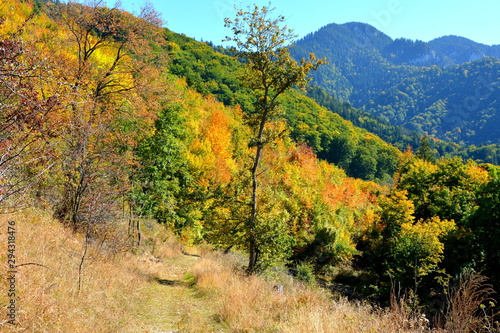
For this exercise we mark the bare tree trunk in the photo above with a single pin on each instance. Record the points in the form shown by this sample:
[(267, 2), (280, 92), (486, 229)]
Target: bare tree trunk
[(82, 261)]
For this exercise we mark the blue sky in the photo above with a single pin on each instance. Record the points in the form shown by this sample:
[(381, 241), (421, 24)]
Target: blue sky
[(416, 19)]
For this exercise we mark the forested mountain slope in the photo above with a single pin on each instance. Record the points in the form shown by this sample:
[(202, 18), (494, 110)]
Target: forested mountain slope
[(427, 87), (461, 49), (360, 153)]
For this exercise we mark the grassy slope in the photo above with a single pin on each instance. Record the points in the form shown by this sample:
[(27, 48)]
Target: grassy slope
[(121, 292), (160, 289)]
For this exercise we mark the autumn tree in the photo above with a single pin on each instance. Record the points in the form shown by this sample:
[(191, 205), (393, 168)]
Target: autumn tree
[(406, 250), (24, 130), (262, 42), (106, 61)]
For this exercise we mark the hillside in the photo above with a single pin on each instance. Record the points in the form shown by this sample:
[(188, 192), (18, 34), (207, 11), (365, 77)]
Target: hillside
[(461, 50), (128, 150), (431, 88), (163, 286), (209, 72)]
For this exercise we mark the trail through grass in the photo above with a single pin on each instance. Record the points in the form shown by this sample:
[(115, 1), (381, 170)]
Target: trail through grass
[(168, 303)]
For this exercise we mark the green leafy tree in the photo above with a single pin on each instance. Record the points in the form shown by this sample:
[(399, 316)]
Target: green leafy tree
[(363, 165), (425, 150), (262, 42), (418, 250), (409, 249), (485, 224), (163, 180)]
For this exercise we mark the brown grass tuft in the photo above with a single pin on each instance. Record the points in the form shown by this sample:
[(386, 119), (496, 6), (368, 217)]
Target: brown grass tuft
[(464, 313)]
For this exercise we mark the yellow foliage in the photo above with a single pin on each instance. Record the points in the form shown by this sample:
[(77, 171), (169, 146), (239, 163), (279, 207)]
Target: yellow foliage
[(421, 166), (476, 174), (210, 152), (15, 14), (425, 237), (397, 209)]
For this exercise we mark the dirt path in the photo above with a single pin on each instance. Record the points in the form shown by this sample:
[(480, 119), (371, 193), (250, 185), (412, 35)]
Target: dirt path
[(168, 304)]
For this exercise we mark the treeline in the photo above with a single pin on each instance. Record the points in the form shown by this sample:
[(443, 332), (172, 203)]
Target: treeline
[(400, 136), (438, 220)]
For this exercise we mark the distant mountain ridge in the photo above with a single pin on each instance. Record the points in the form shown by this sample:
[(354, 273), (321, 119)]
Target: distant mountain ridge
[(446, 50), (447, 88), (462, 50)]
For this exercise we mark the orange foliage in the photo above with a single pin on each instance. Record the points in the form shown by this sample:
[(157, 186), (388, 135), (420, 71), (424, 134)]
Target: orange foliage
[(217, 132), (211, 149)]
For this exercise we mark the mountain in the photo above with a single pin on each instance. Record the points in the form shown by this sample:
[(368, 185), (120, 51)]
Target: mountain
[(431, 88), (461, 49), (359, 153), (404, 51)]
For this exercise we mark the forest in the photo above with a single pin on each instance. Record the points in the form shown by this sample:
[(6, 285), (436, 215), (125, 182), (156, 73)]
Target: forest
[(446, 88), (106, 116)]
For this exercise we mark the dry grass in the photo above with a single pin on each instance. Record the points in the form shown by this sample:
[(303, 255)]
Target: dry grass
[(48, 295), (149, 291), (464, 312), (113, 284), (250, 304)]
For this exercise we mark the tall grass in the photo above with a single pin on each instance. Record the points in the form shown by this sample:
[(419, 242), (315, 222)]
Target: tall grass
[(250, 304), (47, 288), (467, 305)]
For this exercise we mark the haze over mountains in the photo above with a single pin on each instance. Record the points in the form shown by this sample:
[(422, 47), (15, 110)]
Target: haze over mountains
[(447, 88)]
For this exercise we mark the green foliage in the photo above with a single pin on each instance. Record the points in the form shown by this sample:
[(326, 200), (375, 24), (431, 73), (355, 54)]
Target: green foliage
[(439, 219), (336, 140), (406, 250), (162, 180), (305, 272), (208, 72), (396, 210), (425, 150), (418, 250), (408, 83), (398, 136), (447, 189), (269, 72), (486, 229), (272, 238)]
